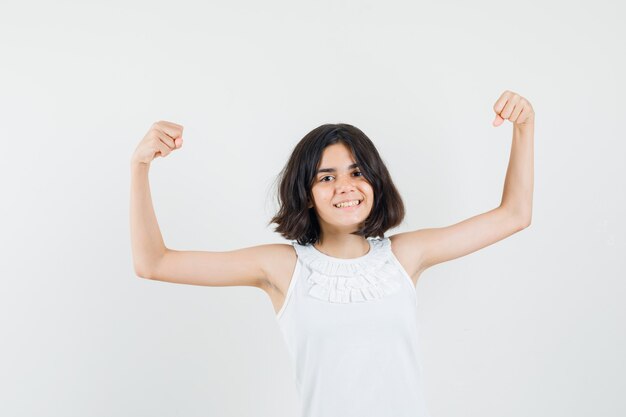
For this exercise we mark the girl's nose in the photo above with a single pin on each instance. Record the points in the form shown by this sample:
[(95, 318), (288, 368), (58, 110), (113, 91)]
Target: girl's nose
[(345, 182)]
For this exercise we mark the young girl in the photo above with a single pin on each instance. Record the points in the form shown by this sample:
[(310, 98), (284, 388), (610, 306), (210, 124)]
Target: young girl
[(344, 295)]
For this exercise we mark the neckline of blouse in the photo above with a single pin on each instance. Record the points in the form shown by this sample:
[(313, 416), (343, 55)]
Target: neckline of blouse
[(361, 258)]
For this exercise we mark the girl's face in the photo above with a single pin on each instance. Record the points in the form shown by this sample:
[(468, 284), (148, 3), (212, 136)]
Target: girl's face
[(339, 180)]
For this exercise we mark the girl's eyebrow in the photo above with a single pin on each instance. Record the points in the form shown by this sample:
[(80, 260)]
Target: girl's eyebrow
[(355, 165)]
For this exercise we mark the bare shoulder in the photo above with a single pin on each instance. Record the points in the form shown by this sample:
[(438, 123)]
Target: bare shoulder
[(279, 262), (408, 251), (279, 265)]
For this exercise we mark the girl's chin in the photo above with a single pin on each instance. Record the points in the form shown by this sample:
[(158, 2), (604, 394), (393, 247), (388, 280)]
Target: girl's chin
[(345, 223)]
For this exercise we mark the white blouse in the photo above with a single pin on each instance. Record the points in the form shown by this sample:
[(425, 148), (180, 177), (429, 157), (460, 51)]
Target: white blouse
[(350, 326)]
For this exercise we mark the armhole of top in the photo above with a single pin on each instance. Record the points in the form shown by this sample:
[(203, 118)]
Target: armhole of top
[(292, 283), (404, 273)]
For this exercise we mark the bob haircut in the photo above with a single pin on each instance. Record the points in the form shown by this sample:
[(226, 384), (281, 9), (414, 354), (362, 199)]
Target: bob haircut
[(296, 221)]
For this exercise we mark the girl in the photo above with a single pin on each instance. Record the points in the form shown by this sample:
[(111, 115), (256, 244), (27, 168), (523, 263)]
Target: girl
[(343, 293)]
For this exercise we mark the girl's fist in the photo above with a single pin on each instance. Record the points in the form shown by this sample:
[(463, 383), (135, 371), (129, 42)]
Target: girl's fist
[(162, 138), (515, 108)]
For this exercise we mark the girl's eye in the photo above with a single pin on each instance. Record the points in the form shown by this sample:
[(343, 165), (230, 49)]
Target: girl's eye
[(360, 174)]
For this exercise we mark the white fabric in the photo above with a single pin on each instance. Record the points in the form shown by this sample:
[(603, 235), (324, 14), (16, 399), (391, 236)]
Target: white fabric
[(350, 326)]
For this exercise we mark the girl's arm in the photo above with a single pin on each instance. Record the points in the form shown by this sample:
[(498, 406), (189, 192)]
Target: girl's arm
[(518, 184), (146, 240), (421, 249), (248, 266)]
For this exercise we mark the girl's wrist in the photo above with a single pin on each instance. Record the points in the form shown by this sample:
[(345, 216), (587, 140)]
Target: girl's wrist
[(134, 164)]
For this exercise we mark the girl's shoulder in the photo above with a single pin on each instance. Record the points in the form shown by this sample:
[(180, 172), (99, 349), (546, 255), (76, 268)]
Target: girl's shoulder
[(279, 266)]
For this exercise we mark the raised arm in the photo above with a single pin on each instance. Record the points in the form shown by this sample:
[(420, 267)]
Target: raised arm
[(421, 249), (517, 195), (146, 240), (153, 260), (145, 236)]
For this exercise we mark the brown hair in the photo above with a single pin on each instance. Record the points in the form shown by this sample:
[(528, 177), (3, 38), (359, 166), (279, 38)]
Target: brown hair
[(296, 221)]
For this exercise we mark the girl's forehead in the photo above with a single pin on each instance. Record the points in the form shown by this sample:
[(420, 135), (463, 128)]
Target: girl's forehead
[(336, 152)]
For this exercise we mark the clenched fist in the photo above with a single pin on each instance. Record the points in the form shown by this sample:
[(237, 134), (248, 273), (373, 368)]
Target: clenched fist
[(515, 108), (162, 138)]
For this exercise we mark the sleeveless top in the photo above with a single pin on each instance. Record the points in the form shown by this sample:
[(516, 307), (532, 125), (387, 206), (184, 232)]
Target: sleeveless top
[(350, 326)]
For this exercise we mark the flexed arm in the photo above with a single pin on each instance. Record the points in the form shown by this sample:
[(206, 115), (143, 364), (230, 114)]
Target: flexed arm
[(249, 266), (517, 196), (421, 249), (146, 240)]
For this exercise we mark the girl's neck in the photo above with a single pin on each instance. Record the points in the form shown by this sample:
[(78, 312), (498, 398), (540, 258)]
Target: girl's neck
[(345, 246)]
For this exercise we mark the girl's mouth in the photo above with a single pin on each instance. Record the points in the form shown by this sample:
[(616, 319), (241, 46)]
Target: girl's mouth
[(349, 205)]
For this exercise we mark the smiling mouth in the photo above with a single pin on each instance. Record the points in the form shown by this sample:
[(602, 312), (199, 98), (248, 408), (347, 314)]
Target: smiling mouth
[(349, 204)]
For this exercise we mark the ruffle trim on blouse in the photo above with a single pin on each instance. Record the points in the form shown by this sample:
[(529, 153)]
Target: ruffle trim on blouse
[(346, 281)]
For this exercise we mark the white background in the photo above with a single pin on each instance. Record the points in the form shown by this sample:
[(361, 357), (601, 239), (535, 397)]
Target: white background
[(530, 326)]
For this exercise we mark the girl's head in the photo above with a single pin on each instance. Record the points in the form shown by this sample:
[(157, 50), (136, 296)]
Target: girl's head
[(331, 164)]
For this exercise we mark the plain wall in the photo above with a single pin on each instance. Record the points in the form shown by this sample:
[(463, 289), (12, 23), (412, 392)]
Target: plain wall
[(530, 326)]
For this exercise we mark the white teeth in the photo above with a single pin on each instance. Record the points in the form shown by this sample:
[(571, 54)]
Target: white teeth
[(347, 204)]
